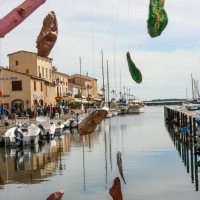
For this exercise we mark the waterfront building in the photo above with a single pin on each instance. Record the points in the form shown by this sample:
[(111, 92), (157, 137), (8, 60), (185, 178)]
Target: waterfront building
[(31, 80), (87, 85)]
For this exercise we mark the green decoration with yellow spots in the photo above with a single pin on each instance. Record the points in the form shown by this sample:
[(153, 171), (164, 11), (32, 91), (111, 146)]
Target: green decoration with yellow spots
[(157, 18), (134, 71)]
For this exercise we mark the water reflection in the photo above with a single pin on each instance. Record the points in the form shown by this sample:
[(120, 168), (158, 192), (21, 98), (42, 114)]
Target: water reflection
[(83, 141), (32, 164), (85, 166), (187, 148)]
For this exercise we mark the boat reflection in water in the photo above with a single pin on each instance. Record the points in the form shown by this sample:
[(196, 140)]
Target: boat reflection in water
[(187, 149), (33, 164)]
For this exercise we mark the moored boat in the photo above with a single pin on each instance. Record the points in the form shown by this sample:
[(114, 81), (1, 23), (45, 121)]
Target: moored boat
[(47, 127), (135, 106), (22, 133)]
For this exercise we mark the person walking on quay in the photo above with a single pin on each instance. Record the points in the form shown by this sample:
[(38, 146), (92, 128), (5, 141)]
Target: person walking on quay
[(3, 114), (13, 113)]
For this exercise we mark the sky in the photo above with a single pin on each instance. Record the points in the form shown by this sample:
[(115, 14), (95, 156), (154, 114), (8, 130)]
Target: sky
[(90, 29)]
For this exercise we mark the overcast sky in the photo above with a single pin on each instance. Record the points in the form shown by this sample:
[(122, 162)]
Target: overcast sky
[(116, 26)]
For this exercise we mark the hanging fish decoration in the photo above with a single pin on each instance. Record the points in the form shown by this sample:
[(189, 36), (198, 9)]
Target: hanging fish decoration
[(157, 18), (119, 164), (48, 35), (115, 190), (56, 195), (89, 123), (134, 71)]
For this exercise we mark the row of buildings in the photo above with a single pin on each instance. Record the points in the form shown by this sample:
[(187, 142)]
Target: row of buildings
[(31, 80)]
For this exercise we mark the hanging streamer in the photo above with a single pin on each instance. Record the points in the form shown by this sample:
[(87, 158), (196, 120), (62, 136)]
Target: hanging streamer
[(48, 35), (157, 18), (120, 167), (134, 71)]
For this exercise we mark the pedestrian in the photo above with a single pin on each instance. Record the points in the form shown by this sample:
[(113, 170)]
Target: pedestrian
[(3, 114), (13, 113)]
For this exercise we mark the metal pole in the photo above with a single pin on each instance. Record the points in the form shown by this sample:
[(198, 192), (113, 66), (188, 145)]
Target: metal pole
[(80, 80), (103, 75), (108, 84)]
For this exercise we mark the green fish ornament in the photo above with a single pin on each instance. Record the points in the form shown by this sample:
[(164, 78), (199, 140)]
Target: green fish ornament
[(134, 71), (157, 18)]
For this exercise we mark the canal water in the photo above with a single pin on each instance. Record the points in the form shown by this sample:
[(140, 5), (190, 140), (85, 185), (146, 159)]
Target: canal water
[(85, 166)]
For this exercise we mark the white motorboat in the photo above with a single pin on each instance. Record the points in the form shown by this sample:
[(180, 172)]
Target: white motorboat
[(122, 106), (22, 134), (47, 127), (109, 115), (114, 112), (71, 123), (135, 106), (59, 125)]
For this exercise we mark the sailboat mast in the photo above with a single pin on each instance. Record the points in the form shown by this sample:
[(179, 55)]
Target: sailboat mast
[(103, 76), (80, 80), (120, 85), (192, 87), (108, 84)]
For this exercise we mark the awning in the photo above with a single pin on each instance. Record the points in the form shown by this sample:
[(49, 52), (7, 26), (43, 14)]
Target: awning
[(68, 99), (79, 100), (97, 99)]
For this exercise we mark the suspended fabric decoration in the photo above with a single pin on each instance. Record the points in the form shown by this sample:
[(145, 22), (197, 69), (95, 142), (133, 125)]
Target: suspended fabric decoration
[(56, 195), (157, 18), (120, 167), (48, 35), (115, 190), (134, 71), (89, 123), (18, 15)]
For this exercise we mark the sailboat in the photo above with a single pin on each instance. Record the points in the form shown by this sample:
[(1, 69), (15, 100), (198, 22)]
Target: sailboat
[(104, 106)]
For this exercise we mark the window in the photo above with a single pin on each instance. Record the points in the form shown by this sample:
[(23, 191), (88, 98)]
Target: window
[(34, 85), (16, 85), (49, 73), (42, 72), (17, 62), (41, 86), (27, 71), (39, 72), (46, 73)]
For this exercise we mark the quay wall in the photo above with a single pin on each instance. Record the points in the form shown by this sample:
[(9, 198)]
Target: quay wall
[(182, 124)]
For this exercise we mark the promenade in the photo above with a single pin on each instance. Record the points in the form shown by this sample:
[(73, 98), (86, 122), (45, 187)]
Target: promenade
[(63, 117)]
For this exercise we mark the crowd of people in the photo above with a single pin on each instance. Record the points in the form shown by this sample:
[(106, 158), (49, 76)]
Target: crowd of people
[(49, 111)]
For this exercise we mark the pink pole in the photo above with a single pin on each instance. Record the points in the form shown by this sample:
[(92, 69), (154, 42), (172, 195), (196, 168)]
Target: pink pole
[(18, 15)]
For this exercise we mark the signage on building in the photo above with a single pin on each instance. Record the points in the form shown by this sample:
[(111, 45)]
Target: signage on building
[(6, 95), (8, 78), (38, 96)]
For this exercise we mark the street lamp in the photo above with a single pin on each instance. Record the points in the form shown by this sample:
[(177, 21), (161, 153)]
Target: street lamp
[(88, 91)]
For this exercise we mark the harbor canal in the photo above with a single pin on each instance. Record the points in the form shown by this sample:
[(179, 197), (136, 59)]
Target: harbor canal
[(156, 165)]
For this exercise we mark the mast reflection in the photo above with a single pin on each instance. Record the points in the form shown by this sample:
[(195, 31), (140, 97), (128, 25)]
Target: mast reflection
[(83, 142), (187, 148)]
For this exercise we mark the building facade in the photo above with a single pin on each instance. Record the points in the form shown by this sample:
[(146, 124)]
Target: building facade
[(31, 80)]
